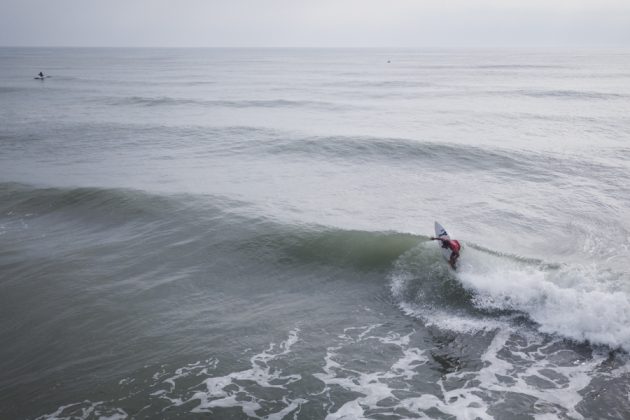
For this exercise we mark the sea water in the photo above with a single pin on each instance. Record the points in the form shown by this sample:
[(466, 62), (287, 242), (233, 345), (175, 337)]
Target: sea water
[(235, 233)]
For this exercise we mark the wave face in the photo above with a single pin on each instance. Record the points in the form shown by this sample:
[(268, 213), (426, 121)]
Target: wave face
[(576, 301), (245, 234)]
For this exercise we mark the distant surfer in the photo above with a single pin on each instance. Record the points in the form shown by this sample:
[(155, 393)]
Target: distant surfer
[(41, 74), (451, 244)]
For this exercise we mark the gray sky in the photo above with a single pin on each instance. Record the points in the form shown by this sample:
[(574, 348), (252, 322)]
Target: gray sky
[(316, 23)]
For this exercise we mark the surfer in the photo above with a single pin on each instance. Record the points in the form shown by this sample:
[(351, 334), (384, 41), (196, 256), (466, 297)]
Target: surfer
[(451, 244), (41, 74)]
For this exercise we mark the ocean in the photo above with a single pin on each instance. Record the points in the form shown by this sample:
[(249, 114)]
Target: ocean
[(245, 233)]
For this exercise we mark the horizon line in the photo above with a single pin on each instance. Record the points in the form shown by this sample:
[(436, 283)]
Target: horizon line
[(434, 47)]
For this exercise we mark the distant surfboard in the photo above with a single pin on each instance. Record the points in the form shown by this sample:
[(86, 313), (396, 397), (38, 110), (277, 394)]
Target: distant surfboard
[(440, 232), (41, 78)]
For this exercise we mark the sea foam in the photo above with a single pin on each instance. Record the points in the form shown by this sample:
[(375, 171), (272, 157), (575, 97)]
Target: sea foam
[(578, 302)]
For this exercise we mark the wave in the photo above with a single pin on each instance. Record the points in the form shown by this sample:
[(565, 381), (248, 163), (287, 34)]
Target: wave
[(525, 165), (576, 302), (511, 164), (209, 216), (517, 66), (565, 94), (248, 141), (223, 103), (363, 148), (261, 142), (26, 201), (581, 303), (387, 84)]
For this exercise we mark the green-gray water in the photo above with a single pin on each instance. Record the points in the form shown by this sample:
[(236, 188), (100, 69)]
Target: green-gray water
[(244, 234)]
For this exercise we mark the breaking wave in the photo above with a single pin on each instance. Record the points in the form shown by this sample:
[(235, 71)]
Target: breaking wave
[(577, 302)]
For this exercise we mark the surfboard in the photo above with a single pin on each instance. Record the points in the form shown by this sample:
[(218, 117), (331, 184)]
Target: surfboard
[(440, 232), (41, 78)]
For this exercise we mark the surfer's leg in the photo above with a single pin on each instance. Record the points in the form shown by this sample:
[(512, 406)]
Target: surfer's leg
[(453, 260)]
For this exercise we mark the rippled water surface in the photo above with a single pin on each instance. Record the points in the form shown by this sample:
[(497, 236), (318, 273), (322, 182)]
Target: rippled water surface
[(235, 234)]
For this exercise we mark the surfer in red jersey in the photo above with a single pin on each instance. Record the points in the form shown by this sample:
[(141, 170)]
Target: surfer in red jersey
[(453, 245)]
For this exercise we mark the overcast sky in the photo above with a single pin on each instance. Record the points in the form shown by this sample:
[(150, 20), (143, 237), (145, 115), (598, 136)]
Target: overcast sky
[(316, 23)]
